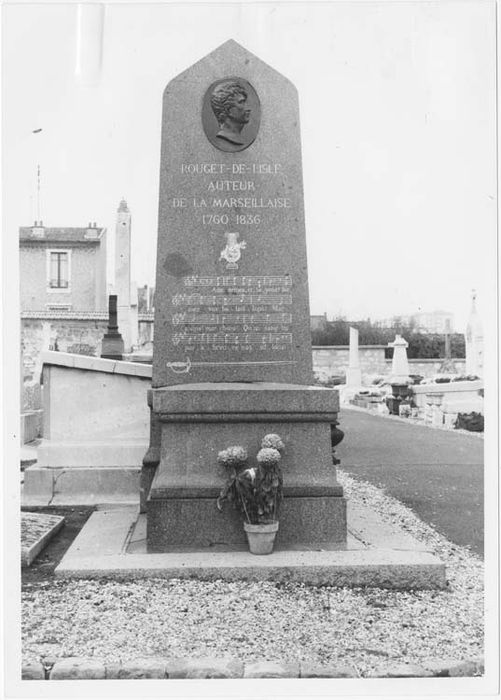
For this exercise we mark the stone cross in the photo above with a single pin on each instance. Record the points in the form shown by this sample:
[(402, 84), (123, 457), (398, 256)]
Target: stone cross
[(447, 339), (447, 366)]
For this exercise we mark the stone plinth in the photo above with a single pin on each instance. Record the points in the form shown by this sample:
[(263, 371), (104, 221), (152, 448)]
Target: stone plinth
[(199, 420)]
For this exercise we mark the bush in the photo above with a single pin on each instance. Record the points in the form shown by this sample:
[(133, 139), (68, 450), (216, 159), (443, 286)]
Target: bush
[(421, 345), (470, 421)]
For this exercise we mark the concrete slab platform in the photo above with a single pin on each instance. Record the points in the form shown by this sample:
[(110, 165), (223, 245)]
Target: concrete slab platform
[(113, 544)]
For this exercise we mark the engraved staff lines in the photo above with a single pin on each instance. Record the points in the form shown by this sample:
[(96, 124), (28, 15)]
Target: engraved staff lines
[(230, 319), (231, 299), (228, 339), (219, 281), (235, 311)]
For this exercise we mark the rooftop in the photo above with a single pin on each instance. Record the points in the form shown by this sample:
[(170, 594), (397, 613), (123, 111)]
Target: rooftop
[(89, 234)]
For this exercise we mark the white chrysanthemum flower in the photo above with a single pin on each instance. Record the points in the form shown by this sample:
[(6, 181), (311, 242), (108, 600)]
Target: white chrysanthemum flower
[(273, 440), (268, 456)]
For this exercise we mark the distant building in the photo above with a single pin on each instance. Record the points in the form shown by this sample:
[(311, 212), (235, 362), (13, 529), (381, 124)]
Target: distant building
[(423, 322), (63, 303), (318, 323), (62, 269), (64, 298), (146, 299), (434, 321)]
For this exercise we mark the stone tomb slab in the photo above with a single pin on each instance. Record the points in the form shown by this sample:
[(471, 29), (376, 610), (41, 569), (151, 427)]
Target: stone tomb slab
[(37, 529)]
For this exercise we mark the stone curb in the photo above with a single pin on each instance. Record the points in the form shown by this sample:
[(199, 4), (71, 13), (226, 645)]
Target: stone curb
[(80, 668)]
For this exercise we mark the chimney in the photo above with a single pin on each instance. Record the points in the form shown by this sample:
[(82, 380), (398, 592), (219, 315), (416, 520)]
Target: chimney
[(91, 231), (38, 229)]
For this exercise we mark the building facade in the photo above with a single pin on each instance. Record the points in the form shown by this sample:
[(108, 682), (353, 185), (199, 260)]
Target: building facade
[(63, 297), (440, 322), (62, 269)]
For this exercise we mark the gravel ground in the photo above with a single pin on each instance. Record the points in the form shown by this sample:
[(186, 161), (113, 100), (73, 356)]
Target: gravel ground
[(121, 620)]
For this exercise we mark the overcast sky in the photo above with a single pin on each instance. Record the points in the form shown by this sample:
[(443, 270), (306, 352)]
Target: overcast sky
[(398, 135)]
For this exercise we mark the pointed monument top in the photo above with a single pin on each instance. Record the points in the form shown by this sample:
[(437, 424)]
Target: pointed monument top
[(229, 59), (474, 326), (122, 207), (473, 298)]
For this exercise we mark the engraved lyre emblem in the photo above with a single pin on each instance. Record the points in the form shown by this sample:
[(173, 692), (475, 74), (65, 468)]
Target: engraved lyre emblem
[(232, 252)]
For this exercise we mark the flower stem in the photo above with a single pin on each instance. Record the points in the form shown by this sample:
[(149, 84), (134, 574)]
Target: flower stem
[(245, 509)]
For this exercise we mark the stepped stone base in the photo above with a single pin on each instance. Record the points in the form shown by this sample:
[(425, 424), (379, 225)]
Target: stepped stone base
[(199, 420), (112, 543)]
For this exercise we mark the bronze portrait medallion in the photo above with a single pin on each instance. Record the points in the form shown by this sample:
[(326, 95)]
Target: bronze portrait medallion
[(231, 113)]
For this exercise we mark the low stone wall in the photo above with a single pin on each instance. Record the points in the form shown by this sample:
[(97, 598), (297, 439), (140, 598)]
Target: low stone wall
[(334, 359)]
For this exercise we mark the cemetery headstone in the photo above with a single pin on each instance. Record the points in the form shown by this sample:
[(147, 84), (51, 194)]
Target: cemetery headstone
[(112, 344), (474, 341), (400, 363), (354, 373), (232, 355)]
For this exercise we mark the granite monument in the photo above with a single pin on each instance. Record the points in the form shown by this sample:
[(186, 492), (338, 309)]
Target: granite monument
[(232, 354)]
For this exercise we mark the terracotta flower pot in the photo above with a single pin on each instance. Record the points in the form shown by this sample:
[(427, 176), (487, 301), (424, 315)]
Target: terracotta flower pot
[(261, 537)]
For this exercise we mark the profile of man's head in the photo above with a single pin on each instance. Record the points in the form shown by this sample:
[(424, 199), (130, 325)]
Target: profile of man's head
[(229, 104)]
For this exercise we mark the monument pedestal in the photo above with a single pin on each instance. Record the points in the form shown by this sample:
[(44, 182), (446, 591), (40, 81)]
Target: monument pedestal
[(197, 421), (354, 376)]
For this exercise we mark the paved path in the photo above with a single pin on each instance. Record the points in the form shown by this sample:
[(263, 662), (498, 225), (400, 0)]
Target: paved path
[(437, 473)]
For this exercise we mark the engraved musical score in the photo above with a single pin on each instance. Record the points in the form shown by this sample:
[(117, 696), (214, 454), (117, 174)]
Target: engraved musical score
[(233, 311)]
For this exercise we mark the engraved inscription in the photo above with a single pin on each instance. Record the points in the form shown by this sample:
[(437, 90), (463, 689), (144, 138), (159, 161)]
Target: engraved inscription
[(240, 312)]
